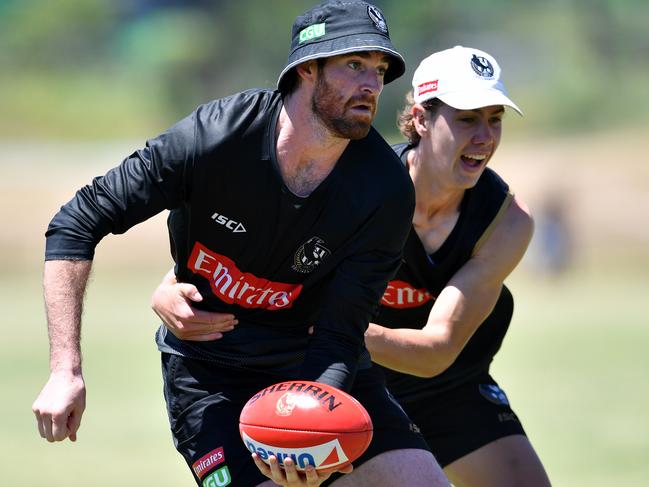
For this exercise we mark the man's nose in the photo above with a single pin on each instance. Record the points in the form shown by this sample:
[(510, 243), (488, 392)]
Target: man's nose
[(372, 82)]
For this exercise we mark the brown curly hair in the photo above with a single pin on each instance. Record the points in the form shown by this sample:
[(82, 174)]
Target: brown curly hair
[(405, 119)]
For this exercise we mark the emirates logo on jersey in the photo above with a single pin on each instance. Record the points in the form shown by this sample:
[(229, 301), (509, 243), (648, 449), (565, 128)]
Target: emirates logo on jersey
[(232, 286), (208, 461), (400, 294)]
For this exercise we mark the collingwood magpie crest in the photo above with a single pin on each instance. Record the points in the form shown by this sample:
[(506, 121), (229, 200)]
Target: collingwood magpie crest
[(310, 255), (482, 67)]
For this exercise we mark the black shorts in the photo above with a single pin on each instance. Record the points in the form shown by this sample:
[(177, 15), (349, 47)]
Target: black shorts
[(460, 420), (204, 401)]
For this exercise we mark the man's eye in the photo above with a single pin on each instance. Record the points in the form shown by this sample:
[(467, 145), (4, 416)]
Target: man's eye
[(382, 71), (354, 64)]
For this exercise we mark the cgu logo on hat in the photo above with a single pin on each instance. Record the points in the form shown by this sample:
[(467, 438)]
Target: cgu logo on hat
[(312, 32), (377, 17), (482, 66)]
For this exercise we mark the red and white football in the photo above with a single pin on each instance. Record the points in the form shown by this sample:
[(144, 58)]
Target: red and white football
[(310, 422)]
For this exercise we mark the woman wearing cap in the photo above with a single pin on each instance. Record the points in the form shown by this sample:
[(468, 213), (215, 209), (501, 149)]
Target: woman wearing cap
[(444, 315)]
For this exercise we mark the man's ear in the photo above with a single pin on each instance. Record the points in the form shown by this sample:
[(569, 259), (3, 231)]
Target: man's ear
[(307, 71)]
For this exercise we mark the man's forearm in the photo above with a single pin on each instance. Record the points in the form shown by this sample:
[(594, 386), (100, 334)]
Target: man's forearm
[(64, 284)]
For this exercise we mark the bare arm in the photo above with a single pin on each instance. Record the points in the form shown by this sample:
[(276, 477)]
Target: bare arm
[(61, 403), (461, 307)]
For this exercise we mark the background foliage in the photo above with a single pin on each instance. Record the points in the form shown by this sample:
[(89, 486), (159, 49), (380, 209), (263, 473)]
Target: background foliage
[(134, 66)]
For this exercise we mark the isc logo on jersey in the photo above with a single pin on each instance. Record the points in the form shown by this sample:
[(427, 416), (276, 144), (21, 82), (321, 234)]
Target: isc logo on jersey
[(327, 454), (233, 226)]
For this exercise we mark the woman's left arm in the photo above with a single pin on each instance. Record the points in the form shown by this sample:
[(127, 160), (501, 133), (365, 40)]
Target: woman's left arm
[(465, 302)]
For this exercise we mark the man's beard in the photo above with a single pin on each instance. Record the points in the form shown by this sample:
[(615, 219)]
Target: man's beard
[(331, 111)]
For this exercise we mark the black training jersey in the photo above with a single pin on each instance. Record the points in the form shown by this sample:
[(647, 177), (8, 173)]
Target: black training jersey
[(278, 262), (409, 297)]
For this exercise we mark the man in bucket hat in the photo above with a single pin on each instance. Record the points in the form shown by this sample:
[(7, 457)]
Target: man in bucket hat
[(279, 201)]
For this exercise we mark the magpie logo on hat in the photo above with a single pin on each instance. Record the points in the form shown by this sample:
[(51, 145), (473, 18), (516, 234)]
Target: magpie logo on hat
[(377, 17), (482, 66), (339, 27)]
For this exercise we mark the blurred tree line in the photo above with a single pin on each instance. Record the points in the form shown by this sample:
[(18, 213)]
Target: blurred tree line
[(129, 68)]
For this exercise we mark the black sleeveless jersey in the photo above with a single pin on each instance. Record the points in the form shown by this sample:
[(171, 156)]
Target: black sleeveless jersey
[(409, 297), (278, 262)]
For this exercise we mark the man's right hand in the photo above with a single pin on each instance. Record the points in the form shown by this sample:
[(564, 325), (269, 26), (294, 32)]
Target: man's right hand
[(289, 476), (172, 300), (60, 405)]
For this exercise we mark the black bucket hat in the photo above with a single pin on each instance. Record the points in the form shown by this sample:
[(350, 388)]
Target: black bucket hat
[(340, 27)]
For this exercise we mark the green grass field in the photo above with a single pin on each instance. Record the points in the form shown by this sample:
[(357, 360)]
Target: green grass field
[(574, 366)]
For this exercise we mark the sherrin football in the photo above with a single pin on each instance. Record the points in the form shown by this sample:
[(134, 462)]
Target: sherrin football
[(310, 422)]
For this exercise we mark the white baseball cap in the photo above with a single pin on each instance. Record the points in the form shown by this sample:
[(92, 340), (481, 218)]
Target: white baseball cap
[(462, 77)]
